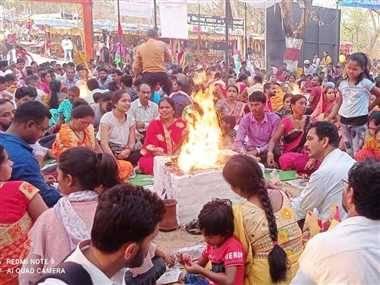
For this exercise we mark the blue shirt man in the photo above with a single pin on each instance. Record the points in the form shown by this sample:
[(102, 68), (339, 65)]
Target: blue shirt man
[(30, 122)]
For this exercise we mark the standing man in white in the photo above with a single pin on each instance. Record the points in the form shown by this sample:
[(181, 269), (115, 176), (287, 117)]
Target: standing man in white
[(67, 46)]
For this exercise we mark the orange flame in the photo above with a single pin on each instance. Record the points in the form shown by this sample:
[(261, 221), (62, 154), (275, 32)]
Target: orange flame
[(201, 151)]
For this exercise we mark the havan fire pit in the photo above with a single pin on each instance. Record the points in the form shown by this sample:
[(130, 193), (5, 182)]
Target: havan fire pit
[(191, 190)]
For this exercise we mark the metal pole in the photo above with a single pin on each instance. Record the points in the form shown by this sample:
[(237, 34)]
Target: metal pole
[(319, 30), (118, 17), (338, 47), (155, 13), (226, 20), (199, 26), (266, 37), (245, 31), (119, 26)]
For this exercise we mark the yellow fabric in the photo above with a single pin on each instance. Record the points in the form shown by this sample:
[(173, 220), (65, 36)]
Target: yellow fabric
[(66, 139), (342, 58), (326, 60), (277, 101), (370, 143), (241, 235), (28, 190), (251, 228)]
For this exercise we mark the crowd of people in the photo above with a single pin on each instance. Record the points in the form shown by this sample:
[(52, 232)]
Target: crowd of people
[(72, 136)]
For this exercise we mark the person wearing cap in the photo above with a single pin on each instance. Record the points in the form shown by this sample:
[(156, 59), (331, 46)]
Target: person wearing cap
[(308, 69), (150, 59)]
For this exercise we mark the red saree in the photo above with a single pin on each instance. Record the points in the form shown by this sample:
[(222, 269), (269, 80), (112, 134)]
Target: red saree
[(168, 139), (15, 224)]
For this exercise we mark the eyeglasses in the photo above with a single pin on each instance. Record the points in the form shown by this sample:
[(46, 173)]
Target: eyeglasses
[(41, 128)]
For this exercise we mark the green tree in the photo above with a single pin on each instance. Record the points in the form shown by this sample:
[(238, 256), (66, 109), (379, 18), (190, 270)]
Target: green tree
[(361, 27)]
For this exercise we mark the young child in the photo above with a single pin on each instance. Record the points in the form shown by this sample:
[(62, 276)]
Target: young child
[(371, 147), (223, 251), (65, 108), (353, 103)]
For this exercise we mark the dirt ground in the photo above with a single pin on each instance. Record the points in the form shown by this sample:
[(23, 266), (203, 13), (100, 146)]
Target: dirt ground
[(172, 241)]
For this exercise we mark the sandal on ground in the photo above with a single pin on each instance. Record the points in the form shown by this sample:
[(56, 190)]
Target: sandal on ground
[(193, 227)]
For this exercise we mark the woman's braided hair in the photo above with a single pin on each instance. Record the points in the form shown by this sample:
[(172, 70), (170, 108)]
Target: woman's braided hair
[(244, 172)]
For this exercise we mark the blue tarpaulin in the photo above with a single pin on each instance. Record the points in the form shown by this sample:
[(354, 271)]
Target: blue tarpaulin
[(369, 4)]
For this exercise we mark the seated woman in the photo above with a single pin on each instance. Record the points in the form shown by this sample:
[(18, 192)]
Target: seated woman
[(371, 147), (292, 130), (286, 110), (265, 224), (117, 130), (43, 84), (230, 106), (59, 229), (80, 132), (56, 95), (164, 136), (325, 104), (20, 206)]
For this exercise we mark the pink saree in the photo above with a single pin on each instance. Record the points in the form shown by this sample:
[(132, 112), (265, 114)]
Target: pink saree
[(294, 156)]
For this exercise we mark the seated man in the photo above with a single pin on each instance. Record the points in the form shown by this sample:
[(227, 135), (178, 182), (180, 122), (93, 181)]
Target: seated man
[(103, 78), (30, 123), (25, 94), (7, 110), (355, 241), (125, 223), (325, 187), (143, 111), (127, 84), (103, 104), (257, 126), (4, 94), (179, 96)]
